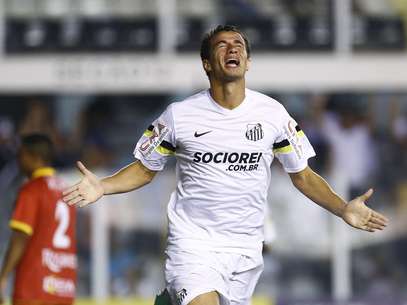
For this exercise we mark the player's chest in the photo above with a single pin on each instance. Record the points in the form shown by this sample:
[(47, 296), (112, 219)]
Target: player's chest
[(226, 134)]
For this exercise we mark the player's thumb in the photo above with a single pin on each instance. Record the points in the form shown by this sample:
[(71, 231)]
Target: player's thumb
[(367, 195), (83, 169)]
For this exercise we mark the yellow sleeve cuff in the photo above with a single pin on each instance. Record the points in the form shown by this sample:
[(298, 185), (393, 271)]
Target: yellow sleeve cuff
[(21, 226)]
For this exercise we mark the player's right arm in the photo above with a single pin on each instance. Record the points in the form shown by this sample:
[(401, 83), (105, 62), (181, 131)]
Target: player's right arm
[(91, 188), (154, 148)]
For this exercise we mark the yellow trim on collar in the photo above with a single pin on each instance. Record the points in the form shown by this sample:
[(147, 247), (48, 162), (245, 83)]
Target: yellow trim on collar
[(21, 226), (43, 172)]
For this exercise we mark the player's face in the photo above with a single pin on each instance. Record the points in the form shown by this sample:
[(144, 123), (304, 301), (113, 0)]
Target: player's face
[(228, 57)]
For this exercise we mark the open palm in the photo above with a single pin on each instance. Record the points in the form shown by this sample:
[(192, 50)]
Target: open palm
[(87, 191), (358, 215)]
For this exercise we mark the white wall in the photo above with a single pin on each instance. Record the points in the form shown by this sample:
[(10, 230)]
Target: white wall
[(148, 73)]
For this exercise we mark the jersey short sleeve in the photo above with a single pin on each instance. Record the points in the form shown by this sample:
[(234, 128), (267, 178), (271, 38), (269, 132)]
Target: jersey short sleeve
[(292, 148), (25, 213), (157, 143)]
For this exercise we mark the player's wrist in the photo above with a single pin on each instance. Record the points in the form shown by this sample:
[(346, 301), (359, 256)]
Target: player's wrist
[(341, 209), (103, 187)]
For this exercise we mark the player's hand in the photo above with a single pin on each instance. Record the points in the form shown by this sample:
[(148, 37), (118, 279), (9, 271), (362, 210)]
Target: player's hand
[(87, 191), (358, 215)]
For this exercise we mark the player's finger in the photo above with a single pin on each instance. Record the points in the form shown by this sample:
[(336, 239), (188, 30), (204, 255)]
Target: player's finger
[(82, 168), (366, 195), (76, 200), (375, 226), (378, 221), (368, 229), (380, 216), (70, 196), (70, 190)]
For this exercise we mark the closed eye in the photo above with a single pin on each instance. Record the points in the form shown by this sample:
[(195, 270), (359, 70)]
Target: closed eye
[(221, 45)]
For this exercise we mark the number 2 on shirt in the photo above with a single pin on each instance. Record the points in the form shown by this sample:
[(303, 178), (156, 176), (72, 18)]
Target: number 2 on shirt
[(60, 239)]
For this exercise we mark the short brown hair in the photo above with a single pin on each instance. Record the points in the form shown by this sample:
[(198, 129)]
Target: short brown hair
[(206, 41)]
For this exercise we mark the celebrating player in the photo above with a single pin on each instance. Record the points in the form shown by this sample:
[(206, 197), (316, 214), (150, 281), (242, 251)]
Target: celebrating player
[(224, 140), (42, 246)]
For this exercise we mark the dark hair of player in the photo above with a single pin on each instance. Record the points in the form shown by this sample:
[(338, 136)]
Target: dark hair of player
[(39, 145), (206, 41)]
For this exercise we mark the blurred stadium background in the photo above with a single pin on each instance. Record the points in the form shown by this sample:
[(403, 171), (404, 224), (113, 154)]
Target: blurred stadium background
[(94, 73)]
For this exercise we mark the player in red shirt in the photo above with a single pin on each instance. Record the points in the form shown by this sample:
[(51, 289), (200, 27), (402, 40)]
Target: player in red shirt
[(42, 249)]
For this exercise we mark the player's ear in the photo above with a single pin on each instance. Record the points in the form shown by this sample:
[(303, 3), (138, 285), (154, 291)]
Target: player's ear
[(249, 63), (206, 65)]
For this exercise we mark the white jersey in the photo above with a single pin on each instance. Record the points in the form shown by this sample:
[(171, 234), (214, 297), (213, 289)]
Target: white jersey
[(223, 167)]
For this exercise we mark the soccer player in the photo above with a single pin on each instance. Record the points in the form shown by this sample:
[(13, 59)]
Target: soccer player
[(224, 140), (42, 249)]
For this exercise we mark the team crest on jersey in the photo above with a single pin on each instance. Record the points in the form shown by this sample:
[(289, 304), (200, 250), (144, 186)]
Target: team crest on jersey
[(254, 132)]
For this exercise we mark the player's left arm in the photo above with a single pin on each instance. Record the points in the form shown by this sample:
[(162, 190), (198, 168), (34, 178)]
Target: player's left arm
[(15, 251), (354, 212)]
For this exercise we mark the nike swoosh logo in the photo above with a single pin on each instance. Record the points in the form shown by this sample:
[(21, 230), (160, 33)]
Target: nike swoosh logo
[(197, 135)]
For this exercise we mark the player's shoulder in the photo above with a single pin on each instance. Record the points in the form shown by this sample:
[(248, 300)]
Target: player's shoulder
[(32, 186), (33, 183), (265, 101)]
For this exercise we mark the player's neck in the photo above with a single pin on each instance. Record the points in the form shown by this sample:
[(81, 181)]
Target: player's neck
[(228, 95)]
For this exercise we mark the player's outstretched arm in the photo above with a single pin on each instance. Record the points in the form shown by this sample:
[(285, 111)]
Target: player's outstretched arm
[(90, 188), (355, 213)]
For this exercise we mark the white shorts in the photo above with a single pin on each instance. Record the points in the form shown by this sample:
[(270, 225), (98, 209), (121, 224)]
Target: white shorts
[(191, 273)]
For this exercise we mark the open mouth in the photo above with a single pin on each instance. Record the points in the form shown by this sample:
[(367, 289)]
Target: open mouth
[(232, 63)]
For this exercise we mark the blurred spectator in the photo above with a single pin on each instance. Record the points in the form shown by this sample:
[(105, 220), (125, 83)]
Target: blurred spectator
[(398, 131), (398, 124), (91, 134), (38, 119), (10, 181), (10, 178), (312, 124), (347, 127), (7, 140)]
